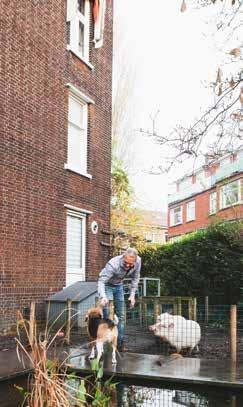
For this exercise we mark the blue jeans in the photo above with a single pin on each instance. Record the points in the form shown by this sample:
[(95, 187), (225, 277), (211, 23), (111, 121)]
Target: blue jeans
[(116, 294)]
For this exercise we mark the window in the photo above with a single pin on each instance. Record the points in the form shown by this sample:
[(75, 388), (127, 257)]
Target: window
[(176, 216), (190, 211), (212, 203), (77, 135), (175, 238), (75, 256), (78, 16), (230, 194)]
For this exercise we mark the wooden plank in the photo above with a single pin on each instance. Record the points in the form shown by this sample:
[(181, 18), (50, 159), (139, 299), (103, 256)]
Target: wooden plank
[(233, 333), (194, 302), (156, 309), (206, 309), (32, 322), (190, 309), (179, 306), (68, 321), (111, 310)]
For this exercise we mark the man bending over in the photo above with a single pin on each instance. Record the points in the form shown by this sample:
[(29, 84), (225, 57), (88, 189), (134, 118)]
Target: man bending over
[(110, 286)]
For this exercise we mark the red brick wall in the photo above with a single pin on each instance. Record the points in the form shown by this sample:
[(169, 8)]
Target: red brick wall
[(203, 218), (33, 146)]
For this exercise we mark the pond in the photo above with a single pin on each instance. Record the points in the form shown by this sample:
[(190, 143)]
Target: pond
[(128, 395)]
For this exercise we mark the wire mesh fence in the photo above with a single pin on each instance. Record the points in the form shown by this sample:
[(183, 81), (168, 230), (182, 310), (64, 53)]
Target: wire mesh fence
[(193, 327)]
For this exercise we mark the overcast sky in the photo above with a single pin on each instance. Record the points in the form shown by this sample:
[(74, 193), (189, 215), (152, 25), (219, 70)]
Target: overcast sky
[(173, 59)]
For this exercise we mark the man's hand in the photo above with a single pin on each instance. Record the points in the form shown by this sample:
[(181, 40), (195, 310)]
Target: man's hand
[(132, 301), (103, 301)]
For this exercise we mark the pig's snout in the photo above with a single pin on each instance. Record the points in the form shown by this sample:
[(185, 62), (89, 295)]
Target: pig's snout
[(152, 328)]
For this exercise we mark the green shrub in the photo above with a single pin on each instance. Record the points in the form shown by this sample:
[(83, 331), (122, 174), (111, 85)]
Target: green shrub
[(207, 262)]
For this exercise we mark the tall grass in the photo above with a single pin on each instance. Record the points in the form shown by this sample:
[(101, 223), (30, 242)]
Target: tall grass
[(51, 384)]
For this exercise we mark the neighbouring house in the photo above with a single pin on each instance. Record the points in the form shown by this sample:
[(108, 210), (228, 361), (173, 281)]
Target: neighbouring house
[(56, 91), (214, 191), (154, 226)]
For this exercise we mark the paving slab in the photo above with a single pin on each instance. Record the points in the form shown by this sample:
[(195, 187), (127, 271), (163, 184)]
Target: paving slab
[(144, 368), (139, 367)]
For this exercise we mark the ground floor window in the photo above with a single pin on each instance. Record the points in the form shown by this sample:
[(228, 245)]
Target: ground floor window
[(75, 245)]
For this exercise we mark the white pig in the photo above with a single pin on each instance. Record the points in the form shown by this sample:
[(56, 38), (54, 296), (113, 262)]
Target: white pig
[(177, 331)]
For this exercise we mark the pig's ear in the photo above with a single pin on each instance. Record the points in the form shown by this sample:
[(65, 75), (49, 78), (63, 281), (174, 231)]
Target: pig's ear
[(86, 318), (171, 325)]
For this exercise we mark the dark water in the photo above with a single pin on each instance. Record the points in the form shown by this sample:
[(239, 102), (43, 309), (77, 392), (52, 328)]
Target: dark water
[(141, 396)]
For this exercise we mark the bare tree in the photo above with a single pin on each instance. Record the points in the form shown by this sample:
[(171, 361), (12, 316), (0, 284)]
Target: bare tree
[(123, 134), (219, 130)]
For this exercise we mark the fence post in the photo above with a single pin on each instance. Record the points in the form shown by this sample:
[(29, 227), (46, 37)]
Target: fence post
[(179, 308), (233, 333), (140, 313), (32, 322), (194, 309), (190, 311), (206, 309), (68, 326), (156, 310), (111, 310)]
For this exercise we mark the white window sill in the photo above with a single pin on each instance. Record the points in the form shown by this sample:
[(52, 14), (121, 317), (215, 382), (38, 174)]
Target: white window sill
[(68, 167), (176, 224), (84, 60), (190, 220), (230, 206)]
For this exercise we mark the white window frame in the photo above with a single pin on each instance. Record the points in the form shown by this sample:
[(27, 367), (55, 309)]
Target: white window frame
[(75, 18), (190, 217), (223, 194), (83, 101), (172, 216), (81, 272), (213, 203)]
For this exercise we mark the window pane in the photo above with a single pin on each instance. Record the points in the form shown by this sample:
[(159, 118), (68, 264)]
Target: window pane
[(77, 148), (76, 112), (230, 194), (213, 203), (81, 5), (74, 242), (177, 215), (81, 38)]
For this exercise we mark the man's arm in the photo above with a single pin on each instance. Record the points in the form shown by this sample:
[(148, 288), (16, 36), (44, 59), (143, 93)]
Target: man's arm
[(134, 283), (104, 277)]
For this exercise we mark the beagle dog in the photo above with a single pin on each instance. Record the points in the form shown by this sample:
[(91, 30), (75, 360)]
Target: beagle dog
[(100, 331)]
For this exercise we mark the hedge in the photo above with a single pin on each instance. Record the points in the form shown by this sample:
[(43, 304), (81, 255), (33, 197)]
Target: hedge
[(207, 262)]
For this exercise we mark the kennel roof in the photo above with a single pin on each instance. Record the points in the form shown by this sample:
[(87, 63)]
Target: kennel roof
[(76, 292)]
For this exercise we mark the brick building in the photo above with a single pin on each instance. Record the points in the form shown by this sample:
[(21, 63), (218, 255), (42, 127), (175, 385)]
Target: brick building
[(153, 226), (213, 192), (56, 89)]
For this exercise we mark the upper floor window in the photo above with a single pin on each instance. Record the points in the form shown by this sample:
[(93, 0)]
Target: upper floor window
[(176, 216), (77, 135), (212, 203), (190, 211), (230, 194), (78, 15)]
